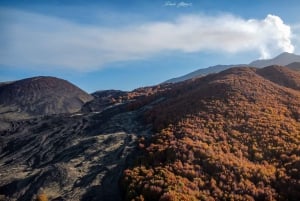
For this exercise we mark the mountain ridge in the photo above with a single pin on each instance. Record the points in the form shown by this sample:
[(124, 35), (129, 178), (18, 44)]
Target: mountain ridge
[(283, 59)]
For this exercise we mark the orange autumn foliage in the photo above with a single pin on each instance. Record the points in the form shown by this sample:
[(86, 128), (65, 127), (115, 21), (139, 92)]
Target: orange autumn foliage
[(234, 135)]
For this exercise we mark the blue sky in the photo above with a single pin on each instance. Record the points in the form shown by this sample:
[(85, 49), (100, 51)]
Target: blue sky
[(124, 45)]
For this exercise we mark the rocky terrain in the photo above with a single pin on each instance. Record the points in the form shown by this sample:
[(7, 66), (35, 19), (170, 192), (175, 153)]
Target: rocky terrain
[(77, 155), (232, 135), (69, 157)]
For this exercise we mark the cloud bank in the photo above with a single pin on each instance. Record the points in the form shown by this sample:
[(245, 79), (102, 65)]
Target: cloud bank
[(37, 40)]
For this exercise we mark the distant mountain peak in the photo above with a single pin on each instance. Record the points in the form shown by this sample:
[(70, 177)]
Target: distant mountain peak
[(285, 54), (282, 59)]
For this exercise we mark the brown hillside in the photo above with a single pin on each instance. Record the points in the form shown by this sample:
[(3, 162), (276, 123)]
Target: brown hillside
[(282, 76), (234, 135), (294, 66)]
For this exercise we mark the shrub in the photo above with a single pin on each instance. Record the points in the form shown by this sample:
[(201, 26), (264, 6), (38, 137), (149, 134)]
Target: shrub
[(42, 197)]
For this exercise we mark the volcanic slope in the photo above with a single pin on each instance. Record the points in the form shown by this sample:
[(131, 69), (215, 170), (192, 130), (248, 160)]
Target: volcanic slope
[(234, 135), (69, 156), (40, 96)]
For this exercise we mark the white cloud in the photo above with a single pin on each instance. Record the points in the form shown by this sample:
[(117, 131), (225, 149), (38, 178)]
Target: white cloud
[(37, 40)]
